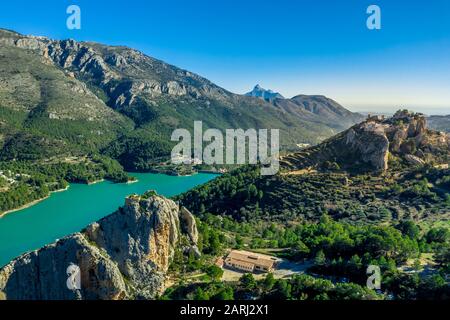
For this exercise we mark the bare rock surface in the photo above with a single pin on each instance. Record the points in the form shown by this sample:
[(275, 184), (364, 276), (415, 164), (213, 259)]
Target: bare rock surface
[(122, 256), (368, 145), (189, 224)]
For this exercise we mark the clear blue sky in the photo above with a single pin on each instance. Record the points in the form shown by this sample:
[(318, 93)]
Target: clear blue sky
[(291, 46)]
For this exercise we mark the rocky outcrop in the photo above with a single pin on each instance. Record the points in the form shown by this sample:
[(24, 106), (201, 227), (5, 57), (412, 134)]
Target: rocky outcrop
[(414, 160), (189, 224), (367, 146), (148, 90), (121, 72), (41, 275), (264, 94), (125, 255), (370, 144), (404, 130)]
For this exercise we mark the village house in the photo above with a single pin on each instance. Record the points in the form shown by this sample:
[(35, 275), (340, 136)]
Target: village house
[(250, 262)]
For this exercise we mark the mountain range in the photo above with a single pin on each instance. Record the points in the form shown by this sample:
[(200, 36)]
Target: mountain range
[(83, 97), (441, 123)]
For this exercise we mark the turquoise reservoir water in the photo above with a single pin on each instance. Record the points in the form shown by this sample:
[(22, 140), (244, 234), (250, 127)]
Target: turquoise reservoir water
[(72, 210)]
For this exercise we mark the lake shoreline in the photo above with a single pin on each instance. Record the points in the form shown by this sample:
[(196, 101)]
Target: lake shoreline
[(32, 203), (95, 182), (69, 212)]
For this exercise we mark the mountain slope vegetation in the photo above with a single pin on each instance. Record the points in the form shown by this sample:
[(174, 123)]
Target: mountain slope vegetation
[(378, 194), (381, 170), (87, 107), (146, 94)]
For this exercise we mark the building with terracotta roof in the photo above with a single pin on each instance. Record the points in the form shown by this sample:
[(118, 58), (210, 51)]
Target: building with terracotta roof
[(250, 261)]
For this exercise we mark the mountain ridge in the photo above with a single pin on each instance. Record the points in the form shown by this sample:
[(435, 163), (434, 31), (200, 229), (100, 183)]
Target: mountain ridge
[(159, 97)]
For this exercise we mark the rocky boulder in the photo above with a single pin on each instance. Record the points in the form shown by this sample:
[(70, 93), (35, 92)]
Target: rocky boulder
[(414, 160), (369, 142), (189, 225)]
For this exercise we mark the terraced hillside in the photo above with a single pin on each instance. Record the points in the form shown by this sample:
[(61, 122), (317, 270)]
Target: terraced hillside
[(382, 170)]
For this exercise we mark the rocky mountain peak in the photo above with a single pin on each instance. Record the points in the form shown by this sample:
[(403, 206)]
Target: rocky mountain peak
[(136, 97), (110, 67), (124, 255), (264, 94), (367, 145)]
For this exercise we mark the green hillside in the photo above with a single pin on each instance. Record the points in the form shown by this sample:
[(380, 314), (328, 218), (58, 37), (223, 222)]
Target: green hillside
[(117, 100)]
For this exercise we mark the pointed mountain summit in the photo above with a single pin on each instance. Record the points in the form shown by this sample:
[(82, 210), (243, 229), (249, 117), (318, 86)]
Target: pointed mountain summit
[(262, 93), (122, 101)]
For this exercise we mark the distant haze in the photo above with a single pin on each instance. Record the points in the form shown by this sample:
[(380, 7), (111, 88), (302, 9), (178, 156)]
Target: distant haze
[(389, 110)]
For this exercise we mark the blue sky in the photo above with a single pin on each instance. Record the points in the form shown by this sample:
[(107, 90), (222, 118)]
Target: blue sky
[(290, 46)]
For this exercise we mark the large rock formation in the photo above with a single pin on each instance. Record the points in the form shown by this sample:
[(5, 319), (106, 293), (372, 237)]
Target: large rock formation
[(367, 146), (189, 224), (125, 255), (369, 142)]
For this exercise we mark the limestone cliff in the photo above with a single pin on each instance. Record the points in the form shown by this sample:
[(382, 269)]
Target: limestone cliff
[(123, 256), (189, 224), (123, 73), (368, 145)]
